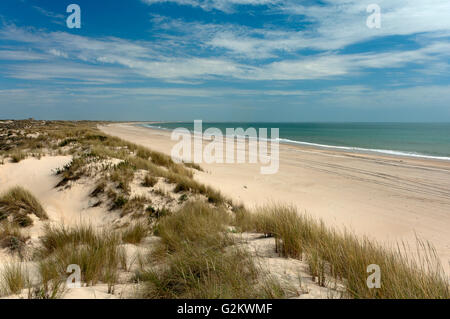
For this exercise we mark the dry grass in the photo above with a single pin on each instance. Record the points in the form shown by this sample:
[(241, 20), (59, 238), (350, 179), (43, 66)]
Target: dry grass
[(195, 224), (52, 289), (209, 274), (158, 213), (123, 175), (73, 171), (98, 253), (13, 278), (187, 184), (98, 189), (118, 201), (51, 281), (343, 256), (11, 237), (135, 233), (194, 166), (18, 200), (149, 181), (22, 219), (17, 156), (56, 237), (201, 261), (135, 205), (284, 224)]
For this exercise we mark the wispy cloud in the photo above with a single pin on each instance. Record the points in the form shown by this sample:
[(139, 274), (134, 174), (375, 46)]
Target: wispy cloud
[(67, 71), (222, 5), (21, 55), (56, 17), (311, 52), (143, 59)]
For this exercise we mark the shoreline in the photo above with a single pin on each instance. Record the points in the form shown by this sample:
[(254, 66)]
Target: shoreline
[(337, 148), (388, 198)]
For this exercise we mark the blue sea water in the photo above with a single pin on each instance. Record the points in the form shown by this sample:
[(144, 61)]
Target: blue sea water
[(427, 140)]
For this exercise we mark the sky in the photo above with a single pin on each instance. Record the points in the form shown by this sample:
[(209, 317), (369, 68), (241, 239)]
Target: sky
[(226, 60)]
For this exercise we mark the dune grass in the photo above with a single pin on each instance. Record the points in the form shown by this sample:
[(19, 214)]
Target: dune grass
[(209, 274), (18, 200), (195, 224), (17, 156), (343, 256), (51, 281), (202, 261), (158, 158), (56, 237), (11, 237), (73, 170), (194, 166), (149, 181), (187, 184), (13, 278), (99, 263), (135, 233), (99, 188), (98, 253), (123, 175), (135, 206), (22, 220), (158, 213), (51, 289), (89, 147)]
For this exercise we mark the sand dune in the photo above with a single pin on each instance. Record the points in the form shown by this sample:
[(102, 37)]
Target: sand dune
[(38, 176)]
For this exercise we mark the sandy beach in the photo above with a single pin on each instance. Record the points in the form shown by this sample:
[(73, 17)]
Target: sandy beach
[(390, 199), (129, 209), (235, 152)]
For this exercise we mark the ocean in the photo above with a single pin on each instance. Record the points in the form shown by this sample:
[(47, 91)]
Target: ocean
[(426, 140)]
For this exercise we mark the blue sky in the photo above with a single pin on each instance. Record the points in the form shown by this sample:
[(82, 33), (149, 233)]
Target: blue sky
[(223, 60)]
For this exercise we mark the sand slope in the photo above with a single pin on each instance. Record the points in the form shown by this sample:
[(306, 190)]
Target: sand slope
[(63, 207)]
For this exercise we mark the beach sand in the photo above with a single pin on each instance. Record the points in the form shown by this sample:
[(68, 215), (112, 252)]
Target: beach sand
[(390, 199)]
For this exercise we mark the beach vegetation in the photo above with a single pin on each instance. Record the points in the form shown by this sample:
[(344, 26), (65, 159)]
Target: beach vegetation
[(11, 237), (341, 255), (18, 201), (149, 181), (17, 156), (201, 260), (13, 278), (135, 233), (97, 252)]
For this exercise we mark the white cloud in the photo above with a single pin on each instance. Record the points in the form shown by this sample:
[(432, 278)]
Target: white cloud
[(222, 5), (331, 27), (334, 26), (21, 55), (63, 71), (58, 53), (340, 23), (147, 60), (231, 52), (48, 13)]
